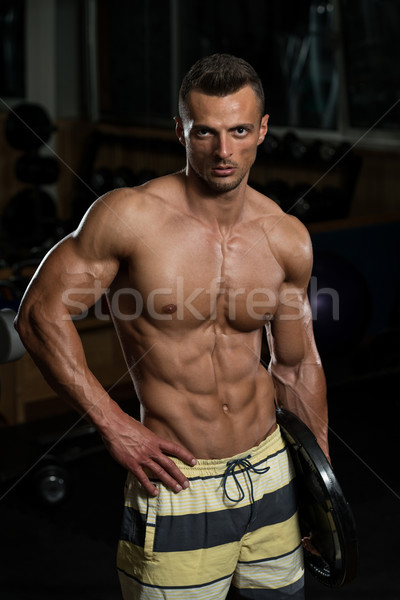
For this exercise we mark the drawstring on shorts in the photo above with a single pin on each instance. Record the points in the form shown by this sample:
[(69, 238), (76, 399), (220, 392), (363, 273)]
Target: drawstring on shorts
[(246, 465)]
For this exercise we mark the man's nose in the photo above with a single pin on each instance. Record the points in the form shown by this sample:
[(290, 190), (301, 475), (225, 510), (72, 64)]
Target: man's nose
[(223, 146)]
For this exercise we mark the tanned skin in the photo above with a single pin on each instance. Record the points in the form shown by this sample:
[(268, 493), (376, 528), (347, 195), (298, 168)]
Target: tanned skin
[(196, 264)]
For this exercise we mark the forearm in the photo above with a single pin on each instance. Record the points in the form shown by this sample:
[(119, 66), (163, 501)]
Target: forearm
[(303, 392)]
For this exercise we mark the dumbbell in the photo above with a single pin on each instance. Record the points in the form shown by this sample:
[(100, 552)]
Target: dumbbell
[(11, 347)]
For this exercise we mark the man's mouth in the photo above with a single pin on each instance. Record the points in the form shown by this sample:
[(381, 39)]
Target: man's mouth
[(223, 170)]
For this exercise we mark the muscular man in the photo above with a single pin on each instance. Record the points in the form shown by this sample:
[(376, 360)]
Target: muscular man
[(195, 265)]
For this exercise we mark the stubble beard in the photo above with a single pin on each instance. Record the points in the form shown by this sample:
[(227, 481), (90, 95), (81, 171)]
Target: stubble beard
[(228, 186), (220, 185)]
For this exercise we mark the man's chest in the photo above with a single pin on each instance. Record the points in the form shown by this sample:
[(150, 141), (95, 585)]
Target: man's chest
[(192, 278)]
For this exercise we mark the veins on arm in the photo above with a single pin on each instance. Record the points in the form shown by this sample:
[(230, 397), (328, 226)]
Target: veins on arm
[(295, 362)]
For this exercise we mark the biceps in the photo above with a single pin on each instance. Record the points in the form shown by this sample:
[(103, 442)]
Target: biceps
[(78, 297), (291, 338)]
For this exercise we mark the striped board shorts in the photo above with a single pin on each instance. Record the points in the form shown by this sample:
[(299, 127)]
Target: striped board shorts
[(235, 529)]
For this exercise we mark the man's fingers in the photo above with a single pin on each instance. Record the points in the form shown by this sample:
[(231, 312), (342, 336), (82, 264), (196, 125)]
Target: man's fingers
[(178, 451), (167, 472), (141, 476), (153, 462)]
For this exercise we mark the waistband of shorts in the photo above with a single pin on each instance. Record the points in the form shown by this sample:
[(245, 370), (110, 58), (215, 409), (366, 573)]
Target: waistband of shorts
[(272, 444)]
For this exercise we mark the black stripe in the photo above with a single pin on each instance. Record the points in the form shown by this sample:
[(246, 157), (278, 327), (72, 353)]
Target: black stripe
[(133, 527), (275, 507), (205, 530)]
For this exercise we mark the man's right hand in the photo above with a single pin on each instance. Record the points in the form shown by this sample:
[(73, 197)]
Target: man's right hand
[(141, 451)]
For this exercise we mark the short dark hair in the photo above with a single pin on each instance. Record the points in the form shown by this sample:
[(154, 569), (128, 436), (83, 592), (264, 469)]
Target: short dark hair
[(220, 75)]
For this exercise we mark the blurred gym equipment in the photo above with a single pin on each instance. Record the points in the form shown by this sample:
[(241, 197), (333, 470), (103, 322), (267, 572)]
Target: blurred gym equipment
[(11, 347), (31, 453), (28, 127), (30, 217), (39, 170), (340, 302)]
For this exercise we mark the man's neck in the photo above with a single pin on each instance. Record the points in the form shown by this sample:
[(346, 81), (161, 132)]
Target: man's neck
[(224, 209)]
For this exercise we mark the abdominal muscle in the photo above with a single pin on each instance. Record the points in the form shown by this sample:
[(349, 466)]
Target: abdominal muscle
[(206, 391)]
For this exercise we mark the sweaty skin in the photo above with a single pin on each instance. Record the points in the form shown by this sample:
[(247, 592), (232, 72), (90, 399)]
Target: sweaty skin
[(195, 265)]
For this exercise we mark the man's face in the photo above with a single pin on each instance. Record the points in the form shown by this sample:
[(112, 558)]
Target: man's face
[(221, 135)]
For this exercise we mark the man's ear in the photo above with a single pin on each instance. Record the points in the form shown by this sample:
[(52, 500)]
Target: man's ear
[(263, 129), (179, 130)]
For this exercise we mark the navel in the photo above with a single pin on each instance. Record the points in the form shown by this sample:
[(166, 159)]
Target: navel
[(169, 309), (267, 317)]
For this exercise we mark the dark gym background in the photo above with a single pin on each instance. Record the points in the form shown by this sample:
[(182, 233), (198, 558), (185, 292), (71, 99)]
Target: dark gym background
[(96, 83)]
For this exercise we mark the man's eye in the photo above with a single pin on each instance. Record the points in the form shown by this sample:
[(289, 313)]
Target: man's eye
[(203, 132), (241, 130)]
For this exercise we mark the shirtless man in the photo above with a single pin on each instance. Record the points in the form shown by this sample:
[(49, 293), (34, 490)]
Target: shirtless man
[(195, 265)]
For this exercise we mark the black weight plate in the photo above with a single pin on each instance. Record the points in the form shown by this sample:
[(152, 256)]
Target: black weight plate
[(30, 217), (323, 510), (28, 127)]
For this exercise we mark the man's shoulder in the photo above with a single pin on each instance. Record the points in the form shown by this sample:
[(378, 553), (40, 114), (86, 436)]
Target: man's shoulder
[(120, 219), (287, 237), (279, 224), (135, 202), (289, 230)]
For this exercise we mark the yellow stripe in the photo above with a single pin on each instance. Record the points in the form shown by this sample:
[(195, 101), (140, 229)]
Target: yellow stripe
[(272, 574), (271, 541), (207, 495), (133, 590), (191, 568)]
